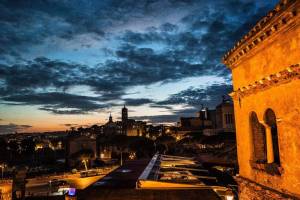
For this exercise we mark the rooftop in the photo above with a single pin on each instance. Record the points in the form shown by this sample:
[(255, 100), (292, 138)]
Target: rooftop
[(174, 172), (121, 184)]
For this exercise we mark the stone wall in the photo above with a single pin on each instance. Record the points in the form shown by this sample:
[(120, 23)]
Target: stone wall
[(251, 191), (284, 100), (266, 75)]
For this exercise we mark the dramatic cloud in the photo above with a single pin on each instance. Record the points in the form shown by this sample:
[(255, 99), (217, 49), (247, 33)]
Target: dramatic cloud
[(58, 103), (157, 119), (208, 97), (193, 99), (49, 49), (12, 128), (137, 102)]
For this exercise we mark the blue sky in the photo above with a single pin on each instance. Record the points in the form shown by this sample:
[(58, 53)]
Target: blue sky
[(68, 62)]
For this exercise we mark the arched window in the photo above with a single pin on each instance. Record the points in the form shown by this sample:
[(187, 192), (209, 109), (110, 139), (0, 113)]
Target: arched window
[(270, 120), (259, 139)]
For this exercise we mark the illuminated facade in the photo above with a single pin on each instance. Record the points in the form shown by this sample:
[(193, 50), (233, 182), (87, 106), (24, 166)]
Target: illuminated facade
[(5, 189), (128, 127), (266, 71), (225, 117)]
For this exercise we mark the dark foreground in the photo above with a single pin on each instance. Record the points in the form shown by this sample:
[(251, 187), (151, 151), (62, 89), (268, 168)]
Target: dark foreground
[(120, 185)]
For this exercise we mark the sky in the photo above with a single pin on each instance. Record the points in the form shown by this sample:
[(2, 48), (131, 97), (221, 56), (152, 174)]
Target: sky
[(67, 63)]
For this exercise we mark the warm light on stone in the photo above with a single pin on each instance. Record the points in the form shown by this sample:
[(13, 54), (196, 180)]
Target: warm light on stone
[(269, 165)]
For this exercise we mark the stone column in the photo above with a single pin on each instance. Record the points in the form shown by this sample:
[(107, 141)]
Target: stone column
[(270, 152)]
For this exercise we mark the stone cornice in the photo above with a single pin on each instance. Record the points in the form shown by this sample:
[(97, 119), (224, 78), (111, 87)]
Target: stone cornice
[(276, 20), (284, 76)]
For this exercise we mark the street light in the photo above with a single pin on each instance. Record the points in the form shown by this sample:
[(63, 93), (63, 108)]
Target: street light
[(229, 195), (84, 161)]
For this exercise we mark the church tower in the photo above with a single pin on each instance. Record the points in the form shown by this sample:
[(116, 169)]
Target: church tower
[(124, 114), (124, 120), (110, 119)]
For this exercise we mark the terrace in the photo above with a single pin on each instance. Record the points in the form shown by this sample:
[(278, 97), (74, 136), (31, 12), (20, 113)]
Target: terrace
[(174, 172)]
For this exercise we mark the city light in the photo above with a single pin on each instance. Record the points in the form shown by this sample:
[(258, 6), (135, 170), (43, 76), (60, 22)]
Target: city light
[(72, 191), (229, 195), (150, 99)]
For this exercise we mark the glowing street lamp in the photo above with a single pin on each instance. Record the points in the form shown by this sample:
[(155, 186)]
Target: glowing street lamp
[(84, 161), (132, 155), (229, 195)]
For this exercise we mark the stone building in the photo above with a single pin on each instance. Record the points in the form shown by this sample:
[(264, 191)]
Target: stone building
[(265, 71), (210, 122), (112, 128), (135, 128), (128, 127), (225, 117), (204, 121)]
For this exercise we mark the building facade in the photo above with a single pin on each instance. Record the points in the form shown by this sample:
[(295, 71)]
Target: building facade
[(225, 117), (128, 127), (6, 189), (265, 72), (113, 128), (210, 122)]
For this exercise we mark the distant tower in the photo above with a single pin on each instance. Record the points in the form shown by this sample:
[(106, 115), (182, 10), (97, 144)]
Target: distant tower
[(124, 114), (203, 113), (124, 120), (110, 118)]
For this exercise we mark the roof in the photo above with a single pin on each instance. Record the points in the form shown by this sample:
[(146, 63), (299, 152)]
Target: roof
[(122, 194), (166, 172), (121, 183)]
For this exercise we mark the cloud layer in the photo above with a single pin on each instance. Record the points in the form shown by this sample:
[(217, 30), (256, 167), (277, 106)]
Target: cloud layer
[(48, 48), (12, 128)]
